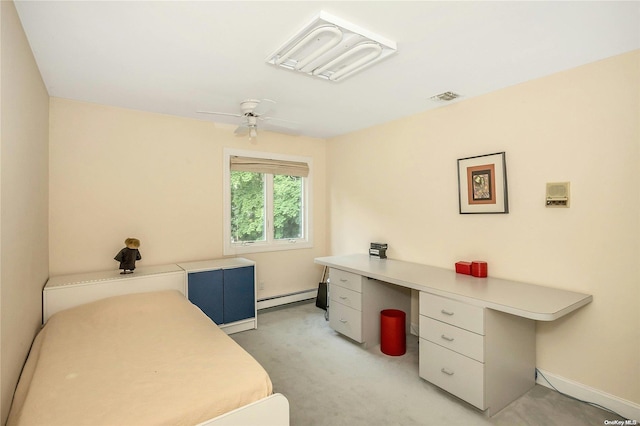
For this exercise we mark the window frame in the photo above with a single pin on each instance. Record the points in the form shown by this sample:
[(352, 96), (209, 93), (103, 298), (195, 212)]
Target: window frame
[(270, 244)]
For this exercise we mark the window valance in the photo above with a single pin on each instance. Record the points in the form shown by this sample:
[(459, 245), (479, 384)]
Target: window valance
[(265, 165)]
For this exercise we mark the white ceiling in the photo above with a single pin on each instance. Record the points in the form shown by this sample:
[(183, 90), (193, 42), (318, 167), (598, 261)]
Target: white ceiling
[(179, 57)]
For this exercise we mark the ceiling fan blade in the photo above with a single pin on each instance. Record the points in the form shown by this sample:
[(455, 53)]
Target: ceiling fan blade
[(279, 122), (242, 130), (281, 126), (219, 113), (264, 107), (279, 129)]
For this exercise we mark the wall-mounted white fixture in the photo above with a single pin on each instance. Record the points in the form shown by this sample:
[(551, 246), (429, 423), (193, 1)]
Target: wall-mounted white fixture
[(332, 49), (558, 194)]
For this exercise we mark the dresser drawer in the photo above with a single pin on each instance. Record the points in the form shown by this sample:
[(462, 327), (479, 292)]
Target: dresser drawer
[(454, 338), (347, 297), (455, 373), (346, 279), (346, 320), (452, 312)]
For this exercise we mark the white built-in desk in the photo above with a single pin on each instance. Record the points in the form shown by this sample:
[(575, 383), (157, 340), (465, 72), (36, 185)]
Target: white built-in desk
[(477, 335)]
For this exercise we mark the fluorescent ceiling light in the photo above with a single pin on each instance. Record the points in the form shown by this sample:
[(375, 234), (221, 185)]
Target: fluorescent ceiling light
[(332, 49), (335, 36)]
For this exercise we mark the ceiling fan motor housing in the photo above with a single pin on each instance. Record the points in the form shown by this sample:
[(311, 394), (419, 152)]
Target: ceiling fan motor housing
[(248, 106)]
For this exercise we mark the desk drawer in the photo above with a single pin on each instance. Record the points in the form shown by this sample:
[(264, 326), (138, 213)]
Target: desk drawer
[(453, 372), (346, 279), (452, 312), (347, 297), (346, 320), (454, 338)]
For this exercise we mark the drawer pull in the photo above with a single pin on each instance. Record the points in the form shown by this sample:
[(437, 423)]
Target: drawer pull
[(344, 280), (447, 338), (344, 321), (447, 371), (444, 311), (343, 297)]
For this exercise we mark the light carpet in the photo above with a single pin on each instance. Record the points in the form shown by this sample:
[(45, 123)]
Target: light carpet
[(331, 380)]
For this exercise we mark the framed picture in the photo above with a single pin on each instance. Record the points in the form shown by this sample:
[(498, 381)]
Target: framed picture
[(482, 184)]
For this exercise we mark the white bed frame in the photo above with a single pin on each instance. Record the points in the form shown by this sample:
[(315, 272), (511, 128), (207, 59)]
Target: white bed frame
[(65, 292)]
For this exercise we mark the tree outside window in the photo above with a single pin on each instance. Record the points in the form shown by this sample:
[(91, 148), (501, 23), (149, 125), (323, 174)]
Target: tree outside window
[(267, 211)]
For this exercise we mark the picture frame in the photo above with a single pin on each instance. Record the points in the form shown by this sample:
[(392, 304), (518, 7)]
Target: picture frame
[(482, 184)]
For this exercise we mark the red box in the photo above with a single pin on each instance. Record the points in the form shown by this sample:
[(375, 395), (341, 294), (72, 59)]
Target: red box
[(479, 268), (463, 267)]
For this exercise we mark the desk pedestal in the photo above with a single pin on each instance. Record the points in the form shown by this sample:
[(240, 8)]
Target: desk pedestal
[(482, 356)]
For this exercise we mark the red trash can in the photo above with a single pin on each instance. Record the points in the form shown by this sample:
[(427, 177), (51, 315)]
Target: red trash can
[(393, 339)]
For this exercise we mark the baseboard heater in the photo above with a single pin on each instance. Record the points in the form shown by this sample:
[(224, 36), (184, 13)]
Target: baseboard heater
[(283, 299)]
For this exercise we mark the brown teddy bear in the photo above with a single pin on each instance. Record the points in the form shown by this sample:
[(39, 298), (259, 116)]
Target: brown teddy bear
[(128, 255)]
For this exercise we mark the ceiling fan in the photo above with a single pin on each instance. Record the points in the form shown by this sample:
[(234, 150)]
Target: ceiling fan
[(254, 110)]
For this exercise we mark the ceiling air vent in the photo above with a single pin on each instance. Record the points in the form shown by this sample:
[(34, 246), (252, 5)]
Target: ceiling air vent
[(445, 97), (332, 49)]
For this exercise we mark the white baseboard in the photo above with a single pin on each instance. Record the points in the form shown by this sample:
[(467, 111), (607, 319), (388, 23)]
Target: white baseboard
[(627, 409), (287, 298)]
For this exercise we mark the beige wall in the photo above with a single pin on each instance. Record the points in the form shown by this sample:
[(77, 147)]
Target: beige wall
[(118, 173), (397, 183), (24, 106)]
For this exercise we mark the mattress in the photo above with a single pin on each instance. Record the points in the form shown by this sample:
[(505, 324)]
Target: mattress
[(139, 359)]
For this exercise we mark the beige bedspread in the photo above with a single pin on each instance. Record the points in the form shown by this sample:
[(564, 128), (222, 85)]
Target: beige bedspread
[(140, 359)]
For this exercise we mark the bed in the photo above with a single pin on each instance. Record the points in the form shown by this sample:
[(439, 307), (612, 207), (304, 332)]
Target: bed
[(149, 358)]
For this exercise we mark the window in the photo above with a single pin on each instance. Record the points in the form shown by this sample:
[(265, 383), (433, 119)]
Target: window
[(266, 202)]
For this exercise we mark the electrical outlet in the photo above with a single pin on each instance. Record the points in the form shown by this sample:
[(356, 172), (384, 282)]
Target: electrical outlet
[(261, 285)]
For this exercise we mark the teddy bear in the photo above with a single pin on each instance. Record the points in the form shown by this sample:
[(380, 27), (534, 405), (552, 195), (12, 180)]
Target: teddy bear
[(128, 255)]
